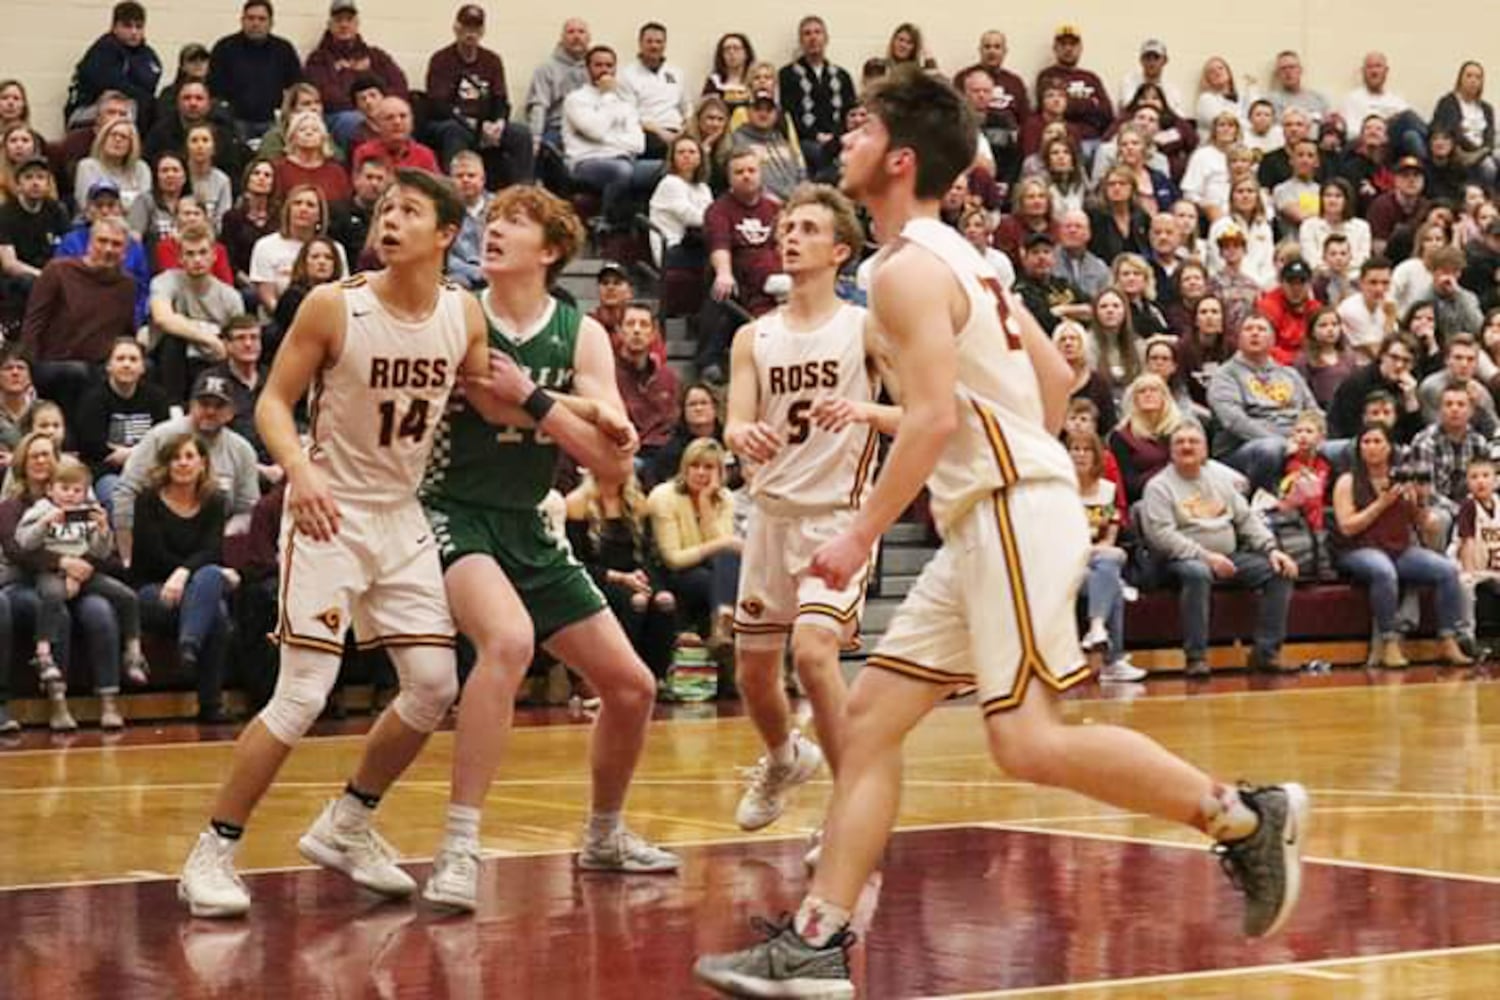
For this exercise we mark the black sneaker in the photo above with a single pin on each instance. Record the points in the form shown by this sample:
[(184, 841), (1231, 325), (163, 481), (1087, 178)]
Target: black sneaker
[(1267, 865), (783, 965)]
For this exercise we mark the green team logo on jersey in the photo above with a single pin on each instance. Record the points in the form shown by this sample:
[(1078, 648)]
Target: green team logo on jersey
[(512, 468)]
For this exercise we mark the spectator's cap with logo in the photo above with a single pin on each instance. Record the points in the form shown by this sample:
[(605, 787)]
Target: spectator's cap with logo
[(104, 188), (1296, 270), (1154, 47), (342, 7), (1067, 30), (471, 15), (1038, 240), (211, 386), (1230, 234), (1408, 164), (608, 267), (763, 97), (33, 163), (193, 52)]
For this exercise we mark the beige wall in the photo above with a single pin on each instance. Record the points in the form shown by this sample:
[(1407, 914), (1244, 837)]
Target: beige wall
[(1331, 34)]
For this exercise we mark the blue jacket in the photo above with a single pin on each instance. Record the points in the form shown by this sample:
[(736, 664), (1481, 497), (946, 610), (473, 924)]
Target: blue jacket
[(76, 244)]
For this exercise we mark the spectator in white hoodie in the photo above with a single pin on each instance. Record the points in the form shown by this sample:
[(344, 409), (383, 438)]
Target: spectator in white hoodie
[(603, 139)]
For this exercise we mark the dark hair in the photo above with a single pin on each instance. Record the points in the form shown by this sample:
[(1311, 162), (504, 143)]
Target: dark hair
[(127, 12), (1364, 490), (245, 321), (114, 346), (363, 82), (1460, 339), (439, 190), (719, 67), (588, 56), (927, 116), (1403, 339), (1378, 396), (1375, 263), (161, 470), (650, 26), (299, 266), (251, 4), (641, 304), (14, 350)]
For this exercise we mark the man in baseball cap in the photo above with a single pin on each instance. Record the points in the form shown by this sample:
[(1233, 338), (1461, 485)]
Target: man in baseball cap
[(1290, 307), (1089, 106)]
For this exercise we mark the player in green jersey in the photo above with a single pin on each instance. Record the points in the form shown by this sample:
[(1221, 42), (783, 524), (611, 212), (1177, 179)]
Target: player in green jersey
[(510, 582)]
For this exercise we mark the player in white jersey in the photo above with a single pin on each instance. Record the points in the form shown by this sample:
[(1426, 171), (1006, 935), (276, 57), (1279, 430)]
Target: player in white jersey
[(802, 415), (983, 393), (381, 353)]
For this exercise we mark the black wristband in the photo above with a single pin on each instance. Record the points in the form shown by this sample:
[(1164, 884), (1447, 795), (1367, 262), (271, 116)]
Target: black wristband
[(538, 404)]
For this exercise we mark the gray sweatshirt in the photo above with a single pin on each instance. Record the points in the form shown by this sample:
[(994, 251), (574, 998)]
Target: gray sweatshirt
[(230, 457), (1187, 518), (81, 539), (1255, 401), (551, 83)]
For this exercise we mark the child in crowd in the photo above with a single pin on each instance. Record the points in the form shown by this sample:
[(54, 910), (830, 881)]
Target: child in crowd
[(66, 523), (1478, 537), (1304, 482), (1332, 280), (1083, 419)]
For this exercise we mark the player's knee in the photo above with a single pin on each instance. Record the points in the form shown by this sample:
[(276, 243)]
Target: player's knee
[(664, 601), (815, 655), (1028, 749), (633, 692), (429, 685), (301, 691), (508, 647)]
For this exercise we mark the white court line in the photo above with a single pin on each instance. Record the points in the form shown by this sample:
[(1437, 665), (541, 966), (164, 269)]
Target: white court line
[(1016, 826), (1281, 968)]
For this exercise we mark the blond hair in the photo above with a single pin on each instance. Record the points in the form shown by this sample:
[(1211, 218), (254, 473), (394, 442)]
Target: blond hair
[(1165, 424), (846, 227)]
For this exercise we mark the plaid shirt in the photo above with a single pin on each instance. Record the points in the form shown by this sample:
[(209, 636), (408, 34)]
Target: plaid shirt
[(1448, 459)]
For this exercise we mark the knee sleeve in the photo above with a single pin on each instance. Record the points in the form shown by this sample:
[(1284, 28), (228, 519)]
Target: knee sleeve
[(429, 683), (302, 686)]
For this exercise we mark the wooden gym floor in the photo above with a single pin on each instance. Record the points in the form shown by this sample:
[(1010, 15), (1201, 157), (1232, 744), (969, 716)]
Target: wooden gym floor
[(992, 888)]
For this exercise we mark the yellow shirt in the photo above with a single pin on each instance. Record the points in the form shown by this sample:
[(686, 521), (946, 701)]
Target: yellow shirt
[(682, 537)]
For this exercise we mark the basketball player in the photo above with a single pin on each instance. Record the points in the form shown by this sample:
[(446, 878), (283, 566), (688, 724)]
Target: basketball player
[(799, 381), (510, 583), (381, 353), (983, 394)]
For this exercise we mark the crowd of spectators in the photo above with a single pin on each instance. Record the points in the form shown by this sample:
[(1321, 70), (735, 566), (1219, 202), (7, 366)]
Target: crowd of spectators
[(1274, 302)]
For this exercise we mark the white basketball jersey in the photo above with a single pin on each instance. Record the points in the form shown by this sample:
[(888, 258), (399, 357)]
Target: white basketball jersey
[(1487, 534), (815, 469), (1001, 438), (375, 409)]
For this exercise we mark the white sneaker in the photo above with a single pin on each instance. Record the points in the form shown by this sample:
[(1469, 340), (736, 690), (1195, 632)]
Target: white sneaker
[(1122, 670), (362, 854), (454, 881), (623, 851), (1097, 637), (765, 799), (209, 885), (815, 851)]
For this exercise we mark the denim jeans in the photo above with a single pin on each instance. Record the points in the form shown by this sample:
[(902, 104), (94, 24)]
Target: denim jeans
[(1252, 572), (1105, 592), (201, 620), (1420, 567), (511, 161), (96, 620), (703, 589), (617, 178)]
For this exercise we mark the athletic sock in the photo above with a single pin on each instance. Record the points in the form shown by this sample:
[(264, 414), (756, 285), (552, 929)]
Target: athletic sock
[(354, 809), (603, 825), (786, 754), (225, 830), (463, 826), (1224, 816), (819, 920)]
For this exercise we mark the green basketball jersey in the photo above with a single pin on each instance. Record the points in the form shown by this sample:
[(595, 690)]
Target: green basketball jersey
[(508, 468)]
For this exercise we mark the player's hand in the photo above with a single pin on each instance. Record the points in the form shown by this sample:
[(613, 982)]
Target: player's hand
[(506, 380), (617, 427), (314, 511), (1222, 566), (836, 562), (758, 442), (834, 413)]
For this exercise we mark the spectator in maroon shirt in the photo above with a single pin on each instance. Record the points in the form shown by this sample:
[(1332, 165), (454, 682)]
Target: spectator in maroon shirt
[(648, 387), (1089, 106), (78, 308), (471, 104), (1010, 90), (1399, 209), (739, 229), (309, 159), (341, 56), (395, 145)]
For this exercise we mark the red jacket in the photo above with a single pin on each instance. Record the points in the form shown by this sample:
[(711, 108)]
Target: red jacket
[(411, 153), (1290, 322)]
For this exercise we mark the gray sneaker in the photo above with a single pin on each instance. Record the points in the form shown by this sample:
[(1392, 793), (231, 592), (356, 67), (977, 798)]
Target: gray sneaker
[(1267, 865), (783, 965), (8, 725)]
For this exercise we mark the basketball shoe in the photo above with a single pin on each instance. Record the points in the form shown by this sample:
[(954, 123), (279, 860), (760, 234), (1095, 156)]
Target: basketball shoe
[(357, 851), (623, 851), (209, 885), (1267, 865), (765, 800), (454, 881), (783, 965)]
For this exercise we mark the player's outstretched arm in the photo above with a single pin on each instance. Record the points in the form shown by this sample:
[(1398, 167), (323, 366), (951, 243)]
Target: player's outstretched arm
[(920, 306), (315, 339), (834, 413), (746, 434)]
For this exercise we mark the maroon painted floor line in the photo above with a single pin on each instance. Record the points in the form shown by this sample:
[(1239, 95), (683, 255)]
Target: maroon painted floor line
[(960, 910)]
